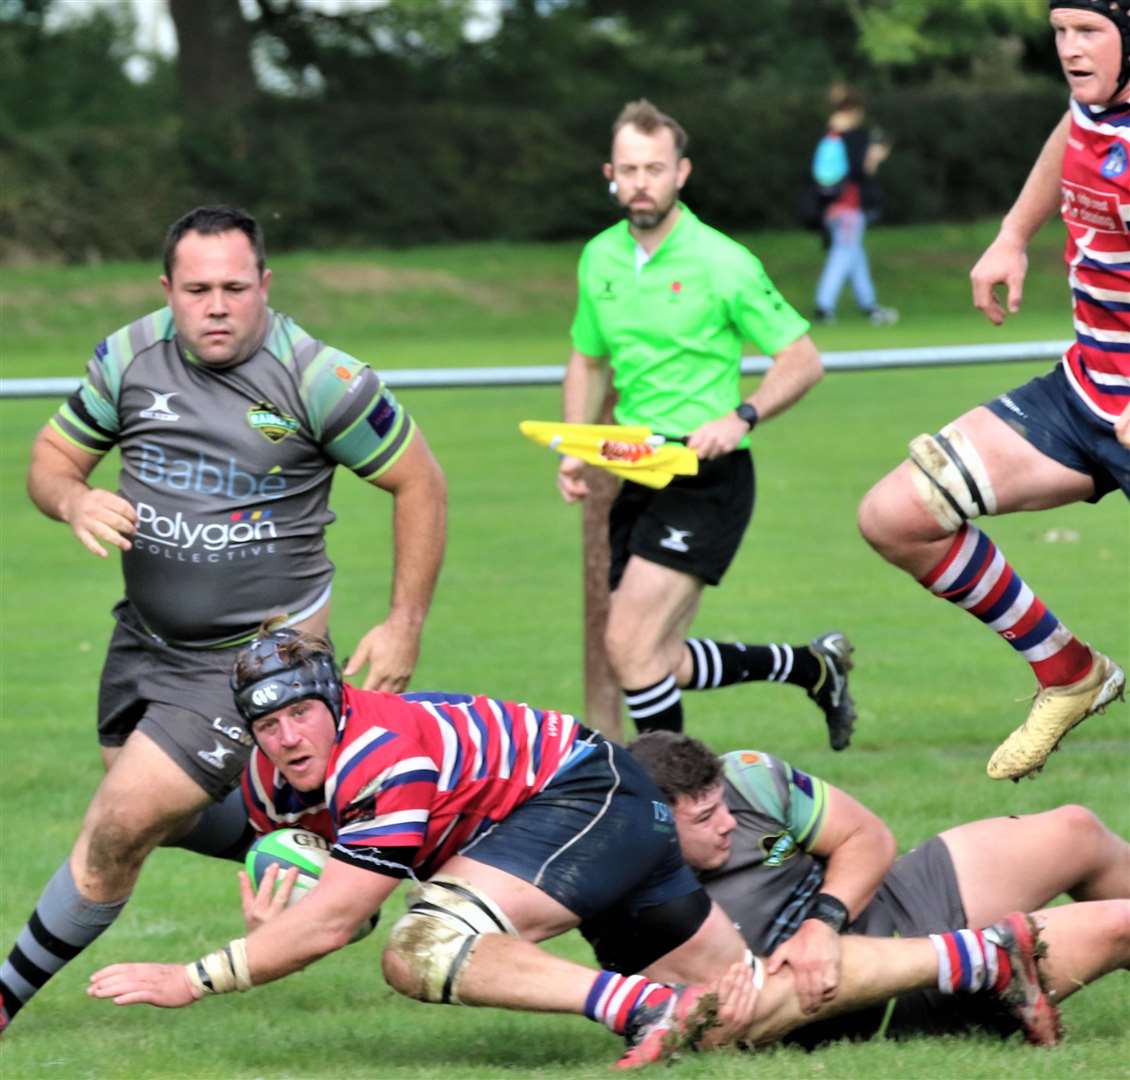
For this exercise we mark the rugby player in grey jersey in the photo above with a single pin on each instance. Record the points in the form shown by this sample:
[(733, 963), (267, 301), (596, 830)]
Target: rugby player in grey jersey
[(230, 420), (796, 863)]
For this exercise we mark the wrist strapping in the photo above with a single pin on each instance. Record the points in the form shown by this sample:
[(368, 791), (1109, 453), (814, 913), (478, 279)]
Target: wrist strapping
[(830, 910), (222, 971)]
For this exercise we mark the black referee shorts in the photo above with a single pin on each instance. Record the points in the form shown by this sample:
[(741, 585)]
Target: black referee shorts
[(695, 524)]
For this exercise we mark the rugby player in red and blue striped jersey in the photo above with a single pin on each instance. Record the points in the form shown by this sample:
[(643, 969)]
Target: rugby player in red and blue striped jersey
[(1061, 438), (515, 825)]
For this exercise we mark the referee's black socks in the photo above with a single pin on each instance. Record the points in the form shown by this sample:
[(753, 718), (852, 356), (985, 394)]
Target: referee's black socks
[(716, 663)]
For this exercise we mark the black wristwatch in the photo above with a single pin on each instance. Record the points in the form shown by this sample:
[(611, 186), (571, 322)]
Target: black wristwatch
[(828, 909), (748, 413)]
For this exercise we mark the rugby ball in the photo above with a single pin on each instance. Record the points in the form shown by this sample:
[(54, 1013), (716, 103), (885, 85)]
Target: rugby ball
[(295, 847)]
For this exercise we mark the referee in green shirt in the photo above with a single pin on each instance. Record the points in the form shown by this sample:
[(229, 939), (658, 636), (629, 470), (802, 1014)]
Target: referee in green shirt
[(664, 304)]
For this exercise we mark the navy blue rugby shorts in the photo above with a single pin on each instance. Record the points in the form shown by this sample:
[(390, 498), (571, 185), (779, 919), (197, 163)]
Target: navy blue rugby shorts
[(599, 837), (1046, 411)]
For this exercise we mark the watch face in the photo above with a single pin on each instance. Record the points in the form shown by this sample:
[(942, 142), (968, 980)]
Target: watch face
[(748, 413)]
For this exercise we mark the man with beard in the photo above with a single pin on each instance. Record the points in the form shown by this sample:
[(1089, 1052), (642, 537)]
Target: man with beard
[(664, 304)]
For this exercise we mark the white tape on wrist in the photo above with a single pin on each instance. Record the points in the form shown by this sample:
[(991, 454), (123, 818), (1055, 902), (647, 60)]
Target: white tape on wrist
[(222, 971)]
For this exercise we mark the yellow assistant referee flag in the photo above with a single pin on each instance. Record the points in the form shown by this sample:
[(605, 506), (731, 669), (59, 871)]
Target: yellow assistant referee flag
[(634, 453)]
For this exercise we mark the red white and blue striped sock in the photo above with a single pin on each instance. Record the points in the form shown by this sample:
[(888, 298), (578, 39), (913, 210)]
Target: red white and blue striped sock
[(613, 998), (975, 576), (968, 962)]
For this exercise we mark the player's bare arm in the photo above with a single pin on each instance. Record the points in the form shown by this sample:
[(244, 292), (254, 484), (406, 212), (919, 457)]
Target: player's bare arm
[(586, 384), (419, 490), (860, 850), (322, 923), (1005, 260), (57, 485), (794, 371)]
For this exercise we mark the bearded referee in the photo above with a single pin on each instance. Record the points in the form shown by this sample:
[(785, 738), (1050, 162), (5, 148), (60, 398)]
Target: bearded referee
[(664, 304)]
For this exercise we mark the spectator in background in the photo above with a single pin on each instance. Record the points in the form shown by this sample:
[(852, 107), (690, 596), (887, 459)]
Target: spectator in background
[(844, 167)]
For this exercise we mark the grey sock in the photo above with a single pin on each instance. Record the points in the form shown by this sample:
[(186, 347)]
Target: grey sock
[(63, 923)]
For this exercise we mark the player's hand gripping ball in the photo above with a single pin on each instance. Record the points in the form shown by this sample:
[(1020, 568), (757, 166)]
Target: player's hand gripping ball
[(295, 847)]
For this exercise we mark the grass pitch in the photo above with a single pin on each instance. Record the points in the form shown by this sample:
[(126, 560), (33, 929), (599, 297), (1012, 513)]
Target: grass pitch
[(936, 690)]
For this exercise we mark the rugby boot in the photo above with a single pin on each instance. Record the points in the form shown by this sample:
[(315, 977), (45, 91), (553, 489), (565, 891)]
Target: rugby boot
[(833, 650), (1055, 711), (1024, 997), (660, 1032)]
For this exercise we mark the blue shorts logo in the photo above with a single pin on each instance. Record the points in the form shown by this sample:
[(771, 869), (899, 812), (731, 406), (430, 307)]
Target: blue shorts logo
[(1115, 164)]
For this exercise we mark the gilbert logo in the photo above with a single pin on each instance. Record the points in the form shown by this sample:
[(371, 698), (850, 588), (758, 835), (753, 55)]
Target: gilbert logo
[(160, 409)]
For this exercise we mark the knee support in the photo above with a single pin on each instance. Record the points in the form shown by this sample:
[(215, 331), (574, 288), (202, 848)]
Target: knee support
[(437, 934), (951, 478)]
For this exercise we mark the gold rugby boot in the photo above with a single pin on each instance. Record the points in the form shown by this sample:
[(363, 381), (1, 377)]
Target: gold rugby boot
[(1055, 711)]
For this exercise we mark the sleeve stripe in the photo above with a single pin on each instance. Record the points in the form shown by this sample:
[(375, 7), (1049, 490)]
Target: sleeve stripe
[(57, 427)]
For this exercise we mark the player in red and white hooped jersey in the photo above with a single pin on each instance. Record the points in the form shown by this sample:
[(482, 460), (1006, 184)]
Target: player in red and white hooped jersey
[(515, 824), (1061, 438), (438, 769), (1096, 211)]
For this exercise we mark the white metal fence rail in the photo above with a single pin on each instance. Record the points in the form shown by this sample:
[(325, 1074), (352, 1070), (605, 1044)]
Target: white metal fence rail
[(551, 375)]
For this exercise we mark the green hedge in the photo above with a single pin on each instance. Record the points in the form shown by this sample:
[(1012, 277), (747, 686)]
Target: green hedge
[(372, 174)]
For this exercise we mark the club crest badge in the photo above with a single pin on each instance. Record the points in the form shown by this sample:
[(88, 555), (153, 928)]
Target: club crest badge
[(1116, 160), (270, 422)]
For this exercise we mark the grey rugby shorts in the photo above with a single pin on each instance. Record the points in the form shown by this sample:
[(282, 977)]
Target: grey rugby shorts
[(919, 896), (179, 698)]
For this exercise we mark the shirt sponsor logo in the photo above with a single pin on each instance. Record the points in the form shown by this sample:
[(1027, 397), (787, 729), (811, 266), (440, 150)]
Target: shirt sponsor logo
[(381, 416), (1091, 209), (1115, 163), (803, 782), (271, 422), (160, 409), (246, 527), (205, 476)]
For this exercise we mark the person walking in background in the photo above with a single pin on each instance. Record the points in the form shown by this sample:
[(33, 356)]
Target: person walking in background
[(844, 167), (664, 303)]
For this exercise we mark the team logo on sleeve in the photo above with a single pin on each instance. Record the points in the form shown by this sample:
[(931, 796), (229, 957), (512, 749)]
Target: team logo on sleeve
[(272, 423)]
